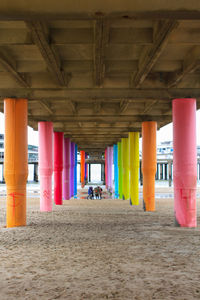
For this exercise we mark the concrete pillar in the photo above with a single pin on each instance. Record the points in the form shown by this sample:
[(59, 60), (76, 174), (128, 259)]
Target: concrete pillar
[(106, 168), (149, 164), (116, 172), (82, 168), (16, 160), (66, 168), (75, 171), (141, 177), (161, 171), (72, 169), (184, 161), (134, 163), (89, 172), (157, 172), (120, 169), (170, 172), (102, 173), (35, 171), (45, 154), (165, 166), (58, 166), (126, 177)]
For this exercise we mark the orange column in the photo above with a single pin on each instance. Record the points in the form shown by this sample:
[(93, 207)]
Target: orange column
[(82, 168), (149, 164), (16, 160)]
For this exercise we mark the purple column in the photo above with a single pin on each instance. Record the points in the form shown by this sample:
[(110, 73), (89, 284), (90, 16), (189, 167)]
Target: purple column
[(72, 169), (111, 163), (66, 168)]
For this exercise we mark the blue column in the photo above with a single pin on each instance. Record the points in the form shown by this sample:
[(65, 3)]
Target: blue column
[(116, 172), (75, 172)]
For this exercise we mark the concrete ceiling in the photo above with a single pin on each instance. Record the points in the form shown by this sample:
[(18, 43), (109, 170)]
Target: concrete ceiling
[(98, 70)]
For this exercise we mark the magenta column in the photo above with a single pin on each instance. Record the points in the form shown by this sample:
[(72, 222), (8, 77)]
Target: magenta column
[(184, 161), (58, 166), (45, 130), (72, 169), (66, 168)]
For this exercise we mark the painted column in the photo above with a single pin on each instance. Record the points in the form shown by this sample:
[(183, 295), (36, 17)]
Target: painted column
[(110, 163), (86, 169), (149, 164), (58, 166), (125, 165), (72, 169), (116, 173), (184, 161), (120, 170), (75, 171), (45, 154), (106, 167), (16, 160), (66, 168), (82, 168), (134, 167)]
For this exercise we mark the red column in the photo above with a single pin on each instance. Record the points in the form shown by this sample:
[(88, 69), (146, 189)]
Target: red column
[(184, 161), (58, 166)]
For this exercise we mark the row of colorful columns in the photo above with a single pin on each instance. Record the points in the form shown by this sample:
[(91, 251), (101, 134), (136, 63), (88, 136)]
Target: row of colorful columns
[(16, 163), (126, 164), (63, 163)]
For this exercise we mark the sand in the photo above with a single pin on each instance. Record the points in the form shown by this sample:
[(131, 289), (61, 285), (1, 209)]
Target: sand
[(99, 249)]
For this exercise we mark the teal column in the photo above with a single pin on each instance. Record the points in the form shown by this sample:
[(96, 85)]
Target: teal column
[(116, 175)]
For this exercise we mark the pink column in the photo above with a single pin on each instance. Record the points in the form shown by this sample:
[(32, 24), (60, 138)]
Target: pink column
[(45, 164), (108, 168), (58, 167), (66, 168), (184, 161)]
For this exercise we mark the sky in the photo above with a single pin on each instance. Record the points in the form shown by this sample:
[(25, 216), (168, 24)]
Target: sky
[(164, 134)]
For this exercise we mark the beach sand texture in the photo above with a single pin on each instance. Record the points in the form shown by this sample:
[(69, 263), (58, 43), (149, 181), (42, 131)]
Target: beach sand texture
[(99, 249)]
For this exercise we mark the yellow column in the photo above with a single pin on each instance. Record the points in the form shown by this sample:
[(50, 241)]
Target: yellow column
[(134, 167), (16, 160), (125, 166)]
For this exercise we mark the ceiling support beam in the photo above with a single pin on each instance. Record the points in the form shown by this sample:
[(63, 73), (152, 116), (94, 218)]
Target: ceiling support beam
[(190, 64), (149, 106), (150, 54), (101, 38), (10, 67), (107, 119), (73, 106), (51, 58), (97, 107), (107, 94), (46, 106), (123, 106)]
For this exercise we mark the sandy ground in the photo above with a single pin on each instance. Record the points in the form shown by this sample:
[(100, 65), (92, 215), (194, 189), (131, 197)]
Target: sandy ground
[(99, 249)]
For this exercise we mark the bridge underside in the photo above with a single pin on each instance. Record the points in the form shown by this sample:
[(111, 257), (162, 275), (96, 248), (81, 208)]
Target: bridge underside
[(98, 70)]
